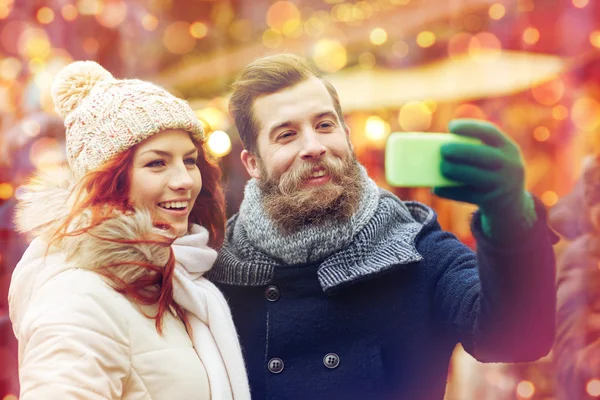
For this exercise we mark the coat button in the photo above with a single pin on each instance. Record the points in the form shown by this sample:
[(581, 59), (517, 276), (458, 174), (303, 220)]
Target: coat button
[(275, 365), (331, 360), (272, 293)]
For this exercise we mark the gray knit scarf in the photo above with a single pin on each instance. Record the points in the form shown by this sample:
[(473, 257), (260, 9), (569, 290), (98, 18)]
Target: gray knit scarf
[(312, 243)]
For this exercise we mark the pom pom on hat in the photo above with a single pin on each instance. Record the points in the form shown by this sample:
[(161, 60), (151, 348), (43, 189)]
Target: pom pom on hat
[(74, 83)]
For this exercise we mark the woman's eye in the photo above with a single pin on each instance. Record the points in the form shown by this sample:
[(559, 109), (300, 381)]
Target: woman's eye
[(190, 161), (155, 163)]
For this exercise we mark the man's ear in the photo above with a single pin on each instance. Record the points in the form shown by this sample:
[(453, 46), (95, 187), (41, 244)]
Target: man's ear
[(250, 161), (347, 130)]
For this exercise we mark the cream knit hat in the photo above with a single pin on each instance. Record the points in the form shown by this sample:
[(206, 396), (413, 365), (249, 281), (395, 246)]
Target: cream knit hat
[(105, 116)]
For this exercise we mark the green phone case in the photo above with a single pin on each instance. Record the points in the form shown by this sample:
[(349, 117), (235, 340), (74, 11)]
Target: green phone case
[(412, 159)]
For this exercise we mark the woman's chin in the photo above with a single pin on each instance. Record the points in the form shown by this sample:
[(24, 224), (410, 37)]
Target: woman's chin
[(180, 228)]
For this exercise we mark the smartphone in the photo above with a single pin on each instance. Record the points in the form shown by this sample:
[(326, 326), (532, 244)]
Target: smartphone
[(412, 159)]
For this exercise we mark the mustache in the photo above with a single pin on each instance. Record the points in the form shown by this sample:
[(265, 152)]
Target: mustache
[(290, 181)]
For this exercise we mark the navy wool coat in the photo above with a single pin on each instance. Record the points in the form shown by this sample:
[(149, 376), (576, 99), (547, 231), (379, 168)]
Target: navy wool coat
[(380, 318)]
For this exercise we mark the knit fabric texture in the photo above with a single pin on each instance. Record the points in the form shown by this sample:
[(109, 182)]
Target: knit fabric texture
[(311, 243), (386, 240), (105, 116)]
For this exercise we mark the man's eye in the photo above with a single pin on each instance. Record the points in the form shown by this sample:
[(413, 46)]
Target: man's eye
[(326, 125), (286, 135), (155, 163)]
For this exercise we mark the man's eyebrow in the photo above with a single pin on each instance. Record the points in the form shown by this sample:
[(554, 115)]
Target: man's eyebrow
[(278, 126), (166, 153), (327, 113)]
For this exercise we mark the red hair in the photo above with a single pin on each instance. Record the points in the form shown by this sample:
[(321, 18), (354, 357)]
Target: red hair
[(105, 190)]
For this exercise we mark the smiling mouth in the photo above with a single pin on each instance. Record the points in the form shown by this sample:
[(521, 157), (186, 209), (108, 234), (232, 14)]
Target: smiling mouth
[(174, 205), (318, 174)]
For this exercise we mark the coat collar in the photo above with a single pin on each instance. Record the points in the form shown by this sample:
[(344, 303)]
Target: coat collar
[(386, 241)]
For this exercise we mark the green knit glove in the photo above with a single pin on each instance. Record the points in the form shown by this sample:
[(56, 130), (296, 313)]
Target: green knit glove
[(493, 177)]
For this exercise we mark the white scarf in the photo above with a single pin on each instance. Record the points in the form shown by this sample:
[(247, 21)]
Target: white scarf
[(213, 332)]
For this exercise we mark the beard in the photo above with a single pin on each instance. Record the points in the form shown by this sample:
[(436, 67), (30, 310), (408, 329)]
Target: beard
[(292, 205)]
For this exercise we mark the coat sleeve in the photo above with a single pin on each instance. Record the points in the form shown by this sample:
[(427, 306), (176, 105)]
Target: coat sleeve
[(501, 300), (73, 342)]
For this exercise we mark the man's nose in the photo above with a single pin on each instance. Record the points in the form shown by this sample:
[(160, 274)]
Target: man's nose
[(312, 147)]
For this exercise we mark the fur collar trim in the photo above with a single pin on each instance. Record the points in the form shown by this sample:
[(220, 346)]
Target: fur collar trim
[(45, 203)]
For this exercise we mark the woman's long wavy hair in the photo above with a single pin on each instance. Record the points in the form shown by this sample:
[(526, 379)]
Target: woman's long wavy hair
[(105, 191)]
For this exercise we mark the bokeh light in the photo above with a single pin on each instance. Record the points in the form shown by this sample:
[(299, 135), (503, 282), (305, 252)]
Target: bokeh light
[(46, 152), (315, 26), (45, 15), (376, 128), (497, 11), (378, 36), (459, 44), (484, 47), (365, 8), (149, 22), (580, 3), (526, 389), (198, 30), (400, 49), (9, 396), (431, 105), (426, 39), (595, 39), (219, 143), (241, 29), (593, 386), (5, 9), (69, 12), (214, 117), (526, 5), (549, 93), (272, 38), (284, 17), (585, 114), (469, 111), (89, 7), (531, 35), (34, 43), (90, 45), (560, 112), (10, 33), (112, 14), (415, 116), (541, 133), (6, 191), (10, 68), (367, 60), (177, 38), (330, 55), (341, 12), (30, 128)]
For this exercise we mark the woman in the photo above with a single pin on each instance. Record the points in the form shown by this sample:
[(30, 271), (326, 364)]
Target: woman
[(108, 301)]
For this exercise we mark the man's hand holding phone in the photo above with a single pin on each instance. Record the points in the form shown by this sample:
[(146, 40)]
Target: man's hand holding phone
[(487, 170)]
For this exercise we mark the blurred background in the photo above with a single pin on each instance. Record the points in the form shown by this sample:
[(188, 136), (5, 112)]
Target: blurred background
[(531, 66)]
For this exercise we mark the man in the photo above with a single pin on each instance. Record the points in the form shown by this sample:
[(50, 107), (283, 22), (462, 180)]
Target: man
[(339, 289)]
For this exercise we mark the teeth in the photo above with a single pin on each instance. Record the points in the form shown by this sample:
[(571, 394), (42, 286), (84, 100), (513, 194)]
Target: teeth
[(317, 174), (173, 204)]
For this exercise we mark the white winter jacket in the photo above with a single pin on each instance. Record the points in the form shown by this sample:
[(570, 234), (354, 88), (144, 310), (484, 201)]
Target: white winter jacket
[(78, 337)]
